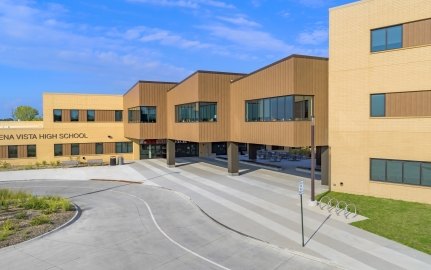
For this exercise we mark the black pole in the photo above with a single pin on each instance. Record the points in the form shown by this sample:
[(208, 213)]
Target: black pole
[(313, 159), (302, 221)]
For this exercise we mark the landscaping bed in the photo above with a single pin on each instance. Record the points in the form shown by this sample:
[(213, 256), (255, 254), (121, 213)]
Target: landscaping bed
[(404, 222), (24, 216)]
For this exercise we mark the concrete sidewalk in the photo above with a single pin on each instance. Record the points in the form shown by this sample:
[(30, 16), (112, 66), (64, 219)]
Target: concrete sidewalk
[(264, 204)]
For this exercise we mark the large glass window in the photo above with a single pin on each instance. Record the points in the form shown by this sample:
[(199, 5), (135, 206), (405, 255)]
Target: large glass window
[(378, 170), (57, 115), (399, 171), (142, 114), (58, 150), (285, 108), (74, 149), (74, 115), (196, 112), (99, 148), (378, 107), (118, 116), (31, 150), (387, 38), (91, 115), (123, 147), (412, 173), (12, 151)]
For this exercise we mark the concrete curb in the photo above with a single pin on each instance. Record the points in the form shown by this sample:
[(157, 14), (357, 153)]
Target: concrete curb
[(75, 217), (298, 253)]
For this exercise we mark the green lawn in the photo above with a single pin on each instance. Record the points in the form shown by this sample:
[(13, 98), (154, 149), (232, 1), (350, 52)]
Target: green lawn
[(408, 223)]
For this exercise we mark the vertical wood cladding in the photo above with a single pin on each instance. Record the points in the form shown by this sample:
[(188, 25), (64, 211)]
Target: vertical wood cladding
[(82, 115), (296, 75), (3, 151), (417, 33), (206, 87), (104, 116), (87, 148), (147, 94), (65, 115), (22, 151), (408, 104), (109, 148), (67, 149)]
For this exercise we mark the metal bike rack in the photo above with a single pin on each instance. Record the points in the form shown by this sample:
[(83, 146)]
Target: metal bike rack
[(330, 204)]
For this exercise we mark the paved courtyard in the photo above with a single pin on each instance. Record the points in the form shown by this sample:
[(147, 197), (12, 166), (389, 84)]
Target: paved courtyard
[(116, 230)]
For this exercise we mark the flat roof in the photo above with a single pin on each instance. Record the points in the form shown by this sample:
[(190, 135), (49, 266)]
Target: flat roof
[(282, 60), (144, 81), (80, 94), (349, 4)]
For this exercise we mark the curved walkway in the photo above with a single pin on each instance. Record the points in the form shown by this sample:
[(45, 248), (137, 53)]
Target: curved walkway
[(133, 226)]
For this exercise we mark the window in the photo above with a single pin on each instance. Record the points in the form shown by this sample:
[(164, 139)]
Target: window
[(387, 38), (90, 115), (399, 171), (378, 108), (74, 115), (148, 114), (58, 150), (12, 151), (57, 115), (284, 108), (142, 114), (74, 149), (123, 147), (118, 116), (99, 148), (31, 151), (196, 112)]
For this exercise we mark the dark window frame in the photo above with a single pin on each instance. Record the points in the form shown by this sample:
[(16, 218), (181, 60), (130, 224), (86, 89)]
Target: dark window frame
[(123, 147), (265, 114), (96, 145), (195, 112), (57, 118), (12, 149), (386, 38), (59, 153), (118, 115), (73, 119), (422, 164), (93, 118), (35, 151), (137, 115), (371, 105), (72, 148)]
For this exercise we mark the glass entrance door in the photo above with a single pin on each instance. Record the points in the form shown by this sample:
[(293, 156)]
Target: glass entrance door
[(149, 151)]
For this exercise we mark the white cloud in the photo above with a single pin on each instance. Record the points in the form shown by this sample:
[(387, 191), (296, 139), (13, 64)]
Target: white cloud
[(167, 38), (239, 20), (193, 4), (314, 37), (284, 13)]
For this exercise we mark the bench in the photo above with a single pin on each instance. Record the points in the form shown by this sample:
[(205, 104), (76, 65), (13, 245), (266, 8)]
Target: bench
[(94, 162), (69, 163)]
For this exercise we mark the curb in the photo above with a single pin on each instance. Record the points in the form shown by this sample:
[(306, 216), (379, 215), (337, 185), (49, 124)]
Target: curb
[(75, 217)]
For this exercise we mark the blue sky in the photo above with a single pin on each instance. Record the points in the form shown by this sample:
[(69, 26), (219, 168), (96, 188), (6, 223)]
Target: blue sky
[(106, 46)]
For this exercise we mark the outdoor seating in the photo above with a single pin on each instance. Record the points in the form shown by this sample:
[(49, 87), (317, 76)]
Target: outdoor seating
[(69, 163), (95, 162)]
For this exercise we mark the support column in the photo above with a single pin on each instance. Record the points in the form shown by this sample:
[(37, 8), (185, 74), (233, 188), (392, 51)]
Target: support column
[(324, 167), (232, 158), (170, 153), (252, 151), (204, 149)]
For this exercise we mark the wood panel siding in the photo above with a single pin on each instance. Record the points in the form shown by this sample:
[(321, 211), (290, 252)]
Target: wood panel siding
[(109, 148), (65, 115), (295, 75), (408, 104), (67, 149), (146, 93), (104, 116), (3, 151), (202, 86), (87, 148), (82, 115), (417, 33), (22, 151)]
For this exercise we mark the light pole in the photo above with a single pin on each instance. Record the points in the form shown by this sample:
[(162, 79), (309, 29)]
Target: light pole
[(313, 159)]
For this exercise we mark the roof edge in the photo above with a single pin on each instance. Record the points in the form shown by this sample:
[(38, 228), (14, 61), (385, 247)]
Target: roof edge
[(144, 81), (282, 60)]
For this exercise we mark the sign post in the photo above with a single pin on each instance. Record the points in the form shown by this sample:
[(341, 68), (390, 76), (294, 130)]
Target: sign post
[(301, 192)]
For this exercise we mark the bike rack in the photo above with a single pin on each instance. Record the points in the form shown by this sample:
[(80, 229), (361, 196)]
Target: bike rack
[(346, 208)]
